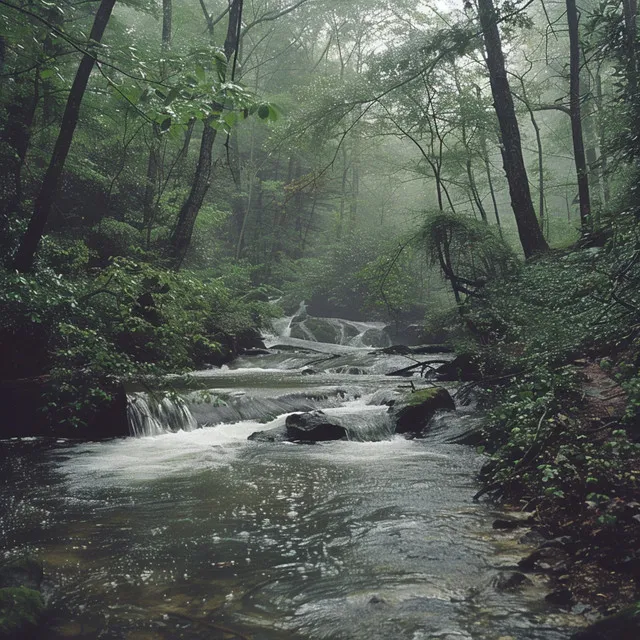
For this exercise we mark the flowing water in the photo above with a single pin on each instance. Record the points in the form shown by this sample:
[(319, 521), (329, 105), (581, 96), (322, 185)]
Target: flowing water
[(185, 532)]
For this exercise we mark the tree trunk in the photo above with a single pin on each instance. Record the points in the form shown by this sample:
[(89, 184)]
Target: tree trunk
[(576, 121), (592, 154), (183, 231), (604, 161), (50, 184), (630, 12), (536, 128), (531, 237), (149, 208)]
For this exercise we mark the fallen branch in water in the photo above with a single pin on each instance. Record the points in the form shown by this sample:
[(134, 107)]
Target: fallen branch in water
[(425, 365)]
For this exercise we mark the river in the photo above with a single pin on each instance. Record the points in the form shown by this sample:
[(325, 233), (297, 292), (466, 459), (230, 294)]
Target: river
[(200, 533)]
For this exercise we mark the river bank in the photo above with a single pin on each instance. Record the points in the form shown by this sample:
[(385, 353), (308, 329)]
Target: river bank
[(554, 361)]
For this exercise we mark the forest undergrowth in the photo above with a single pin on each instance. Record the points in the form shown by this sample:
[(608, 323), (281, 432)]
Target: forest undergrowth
[(557, 347)]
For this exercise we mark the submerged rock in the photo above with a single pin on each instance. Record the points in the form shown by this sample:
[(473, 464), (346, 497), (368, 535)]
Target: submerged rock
[(255, 352), (545, 559), (313, 427), (511, 581), (413, 413), (270, 435)]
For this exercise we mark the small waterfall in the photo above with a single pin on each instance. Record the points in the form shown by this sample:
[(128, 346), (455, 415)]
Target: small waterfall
[(282, 326), (149, 416), (364, 423), (334, 331), (369, 427)]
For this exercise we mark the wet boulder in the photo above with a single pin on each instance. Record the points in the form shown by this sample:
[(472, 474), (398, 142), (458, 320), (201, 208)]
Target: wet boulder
[(313, 427), (412, 413), (547, 558), (318, 329), (384, 396), (377, 338)]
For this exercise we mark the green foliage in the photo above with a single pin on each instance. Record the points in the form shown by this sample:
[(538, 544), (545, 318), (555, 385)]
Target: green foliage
[(545, 313), (550, 446), (468, 252), (359, 276), (125, 321)]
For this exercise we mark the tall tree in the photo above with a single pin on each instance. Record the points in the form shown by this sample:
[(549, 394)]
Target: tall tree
[(51, 182), (153, 163), (531, 236), (183, 231), (574, 112)]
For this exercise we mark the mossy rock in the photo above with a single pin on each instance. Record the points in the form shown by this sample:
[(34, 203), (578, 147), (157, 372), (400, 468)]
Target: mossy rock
[(622, 626), (21, 610), (413, 412)]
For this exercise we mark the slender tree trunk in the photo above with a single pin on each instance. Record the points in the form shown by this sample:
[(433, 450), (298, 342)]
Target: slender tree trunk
[(487, 165), (251, 177), (309, 222), (149, 206), (531, 237), (576, 121), (183, 231), (604, 162), (630, 12), (17, 134), (473, 187), (591, 151), (343, 192), (50, 184), (536, 128)]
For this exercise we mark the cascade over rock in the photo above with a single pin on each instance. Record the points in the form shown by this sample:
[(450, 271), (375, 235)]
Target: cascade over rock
[(151, 416), (413, 413)]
